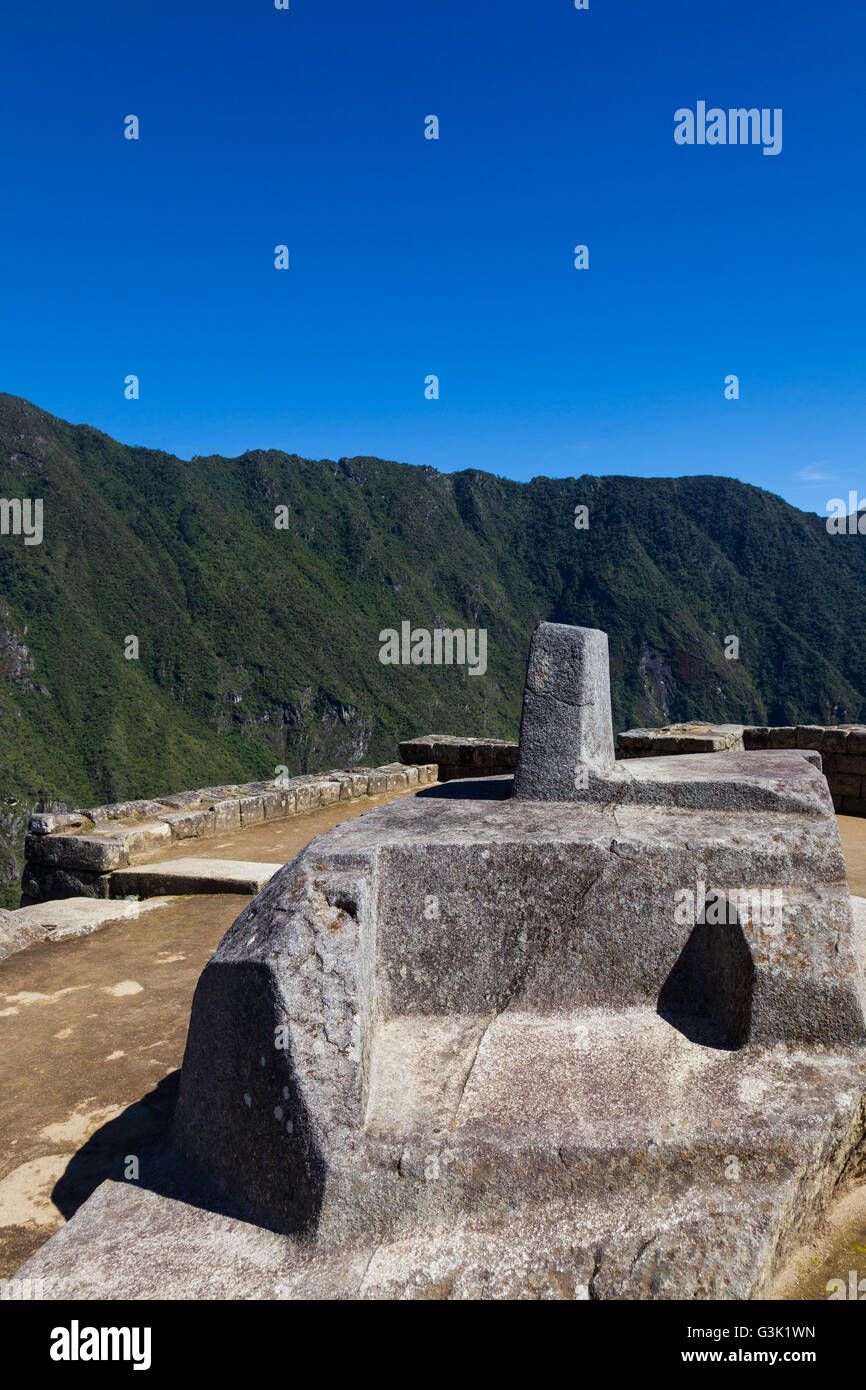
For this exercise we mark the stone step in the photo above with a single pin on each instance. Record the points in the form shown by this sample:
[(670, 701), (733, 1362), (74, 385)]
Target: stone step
[(193, 876), (128, 1242), (65, 917), (574, 1089)]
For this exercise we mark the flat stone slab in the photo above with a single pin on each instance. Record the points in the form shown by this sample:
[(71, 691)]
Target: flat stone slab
[(193, 876), (65, 917), (783, 780)]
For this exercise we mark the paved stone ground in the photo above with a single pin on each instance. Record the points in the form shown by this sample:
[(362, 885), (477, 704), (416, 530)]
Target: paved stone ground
[(853, 832), (92, 1032)]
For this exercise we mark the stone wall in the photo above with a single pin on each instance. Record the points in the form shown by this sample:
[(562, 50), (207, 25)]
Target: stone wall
[(75, 853), (693, 737), (842, 748), (461, 757)]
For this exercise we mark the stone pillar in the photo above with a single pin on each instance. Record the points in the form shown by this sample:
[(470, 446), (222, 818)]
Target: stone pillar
[(566, 729)]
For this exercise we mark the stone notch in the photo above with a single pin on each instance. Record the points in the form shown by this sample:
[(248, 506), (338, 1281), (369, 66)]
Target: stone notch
[(566, 725)]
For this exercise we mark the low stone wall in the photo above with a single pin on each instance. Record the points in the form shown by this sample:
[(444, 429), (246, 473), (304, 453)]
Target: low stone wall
[(842, 748), (461, 757), (693, 737), (75, 853)]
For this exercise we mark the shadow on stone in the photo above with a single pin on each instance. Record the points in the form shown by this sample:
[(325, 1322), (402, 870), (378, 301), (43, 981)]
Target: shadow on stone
[(708, 994), (471, 789), (105, 1153), (142, 1132)]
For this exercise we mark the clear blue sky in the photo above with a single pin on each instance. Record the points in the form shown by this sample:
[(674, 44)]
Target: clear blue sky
[(454, 257)]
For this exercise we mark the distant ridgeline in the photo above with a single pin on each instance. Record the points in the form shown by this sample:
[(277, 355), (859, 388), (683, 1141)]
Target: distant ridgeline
[(176, 623)]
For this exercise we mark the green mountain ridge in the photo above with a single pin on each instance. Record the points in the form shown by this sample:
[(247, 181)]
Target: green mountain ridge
[(259, 647)]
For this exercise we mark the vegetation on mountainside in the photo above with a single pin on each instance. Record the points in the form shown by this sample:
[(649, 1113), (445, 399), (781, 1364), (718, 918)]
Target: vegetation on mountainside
[(260, 647)]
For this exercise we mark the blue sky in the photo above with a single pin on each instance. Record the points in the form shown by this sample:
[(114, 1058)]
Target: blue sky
[(453, 257)]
